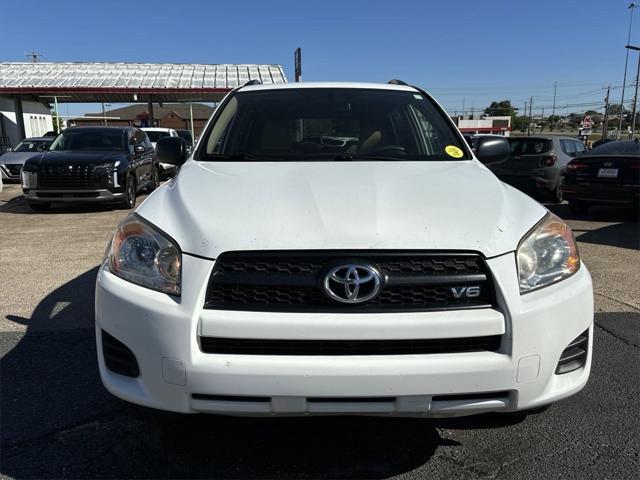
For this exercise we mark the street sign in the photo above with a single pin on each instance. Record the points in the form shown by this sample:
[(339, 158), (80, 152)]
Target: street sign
[(587, 122)]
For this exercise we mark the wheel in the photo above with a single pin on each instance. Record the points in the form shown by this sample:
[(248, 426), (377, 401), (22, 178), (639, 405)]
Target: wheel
[(556, 195), (129, 200), (39, 207), (578, 207), (155, 180)]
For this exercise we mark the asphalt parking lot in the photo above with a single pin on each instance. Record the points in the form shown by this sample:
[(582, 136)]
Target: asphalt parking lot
[(58, 421)]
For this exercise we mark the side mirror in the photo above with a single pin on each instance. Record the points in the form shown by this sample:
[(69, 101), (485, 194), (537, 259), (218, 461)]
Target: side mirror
[(492, 150), (171, 150), (138, 149)]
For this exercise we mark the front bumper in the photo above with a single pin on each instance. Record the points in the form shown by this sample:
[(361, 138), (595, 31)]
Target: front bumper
[(176, 375), (84, 195)]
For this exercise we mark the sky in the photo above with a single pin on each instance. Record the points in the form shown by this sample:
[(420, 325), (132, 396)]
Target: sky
[(465, 53)]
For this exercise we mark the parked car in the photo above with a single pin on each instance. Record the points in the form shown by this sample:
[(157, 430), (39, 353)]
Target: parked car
[(155, 134), (537, 165), (602, 141), (91, 164), (607, 175), (188, 138), (281, 275), (11, 162)]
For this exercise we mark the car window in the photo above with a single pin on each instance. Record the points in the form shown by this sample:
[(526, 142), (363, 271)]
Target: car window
[(140, 138), (31, 145), (90, 140), (568, 147), (580, 147), (330, 123), (155, 135), (529, 146)]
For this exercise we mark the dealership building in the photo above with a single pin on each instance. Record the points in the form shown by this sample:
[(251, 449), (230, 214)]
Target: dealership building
[(30, 89), (166, 115), (499, 125)]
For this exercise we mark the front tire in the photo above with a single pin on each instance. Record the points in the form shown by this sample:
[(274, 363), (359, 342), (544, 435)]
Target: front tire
[(556, 195), (579, 208), (39, 207), (129, 200)]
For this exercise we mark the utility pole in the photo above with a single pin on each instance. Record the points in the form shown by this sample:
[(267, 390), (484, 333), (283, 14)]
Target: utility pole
[(635, 97), (524, 113), (631, 7), (605, 122), (553, 110), (297, 63), (530, 118)]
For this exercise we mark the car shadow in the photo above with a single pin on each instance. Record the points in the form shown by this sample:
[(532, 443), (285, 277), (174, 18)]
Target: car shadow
[(18, 205), (624, 233), (59, 421)]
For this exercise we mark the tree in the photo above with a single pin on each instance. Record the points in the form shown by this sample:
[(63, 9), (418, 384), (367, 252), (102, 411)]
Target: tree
[(553, 120), (519, 123), (502, 108)]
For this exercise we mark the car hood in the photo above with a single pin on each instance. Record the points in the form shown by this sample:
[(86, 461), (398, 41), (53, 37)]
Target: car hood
[(210, 208), (50, 158), (13, 158)]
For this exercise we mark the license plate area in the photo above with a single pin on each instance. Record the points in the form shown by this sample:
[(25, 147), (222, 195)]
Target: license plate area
[(608, 173)]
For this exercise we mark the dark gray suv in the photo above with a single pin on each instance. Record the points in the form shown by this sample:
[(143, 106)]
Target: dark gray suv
[(537, 165)]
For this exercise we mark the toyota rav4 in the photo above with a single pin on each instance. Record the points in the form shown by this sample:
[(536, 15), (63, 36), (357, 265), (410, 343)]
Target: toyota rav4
[(340, 249)]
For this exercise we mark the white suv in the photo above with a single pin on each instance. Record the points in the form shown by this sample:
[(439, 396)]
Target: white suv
[(390, 272)]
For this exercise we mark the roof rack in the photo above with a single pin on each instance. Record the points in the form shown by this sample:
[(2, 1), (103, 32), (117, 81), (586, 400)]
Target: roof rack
[(395, 81), (255, 81)]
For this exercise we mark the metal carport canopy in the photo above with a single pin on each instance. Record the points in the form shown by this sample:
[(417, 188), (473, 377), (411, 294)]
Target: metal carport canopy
[(130, 82)]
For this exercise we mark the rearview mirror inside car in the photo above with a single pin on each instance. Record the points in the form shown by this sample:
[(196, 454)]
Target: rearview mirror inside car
[(492, 150), (171, 150)]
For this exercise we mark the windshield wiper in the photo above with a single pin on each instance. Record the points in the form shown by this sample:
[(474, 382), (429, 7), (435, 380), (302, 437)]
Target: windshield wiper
[(379, 158)]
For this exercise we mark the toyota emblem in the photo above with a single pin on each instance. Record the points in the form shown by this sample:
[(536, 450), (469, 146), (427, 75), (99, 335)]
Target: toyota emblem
[(352, 283)]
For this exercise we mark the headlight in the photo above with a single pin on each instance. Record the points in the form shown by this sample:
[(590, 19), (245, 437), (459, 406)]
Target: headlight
[(29, 179), (547, 254), (145, 256)]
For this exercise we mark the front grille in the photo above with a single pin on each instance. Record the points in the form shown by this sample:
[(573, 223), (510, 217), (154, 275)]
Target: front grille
[(574, 356), (292, 281), (117, 356), (68, 177), (250, 346), (14, 169)]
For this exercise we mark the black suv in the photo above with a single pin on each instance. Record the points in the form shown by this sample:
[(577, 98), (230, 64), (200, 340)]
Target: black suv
[(537, 165), (91, 164)]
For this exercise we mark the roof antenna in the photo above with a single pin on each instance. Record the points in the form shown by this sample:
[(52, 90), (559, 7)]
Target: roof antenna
[(33, 57)]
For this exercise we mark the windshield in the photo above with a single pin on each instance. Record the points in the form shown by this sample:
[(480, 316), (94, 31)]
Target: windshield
[(89, 140), (626, 147), (154, 136), (332, 124), (530, 146), (31, 145)]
